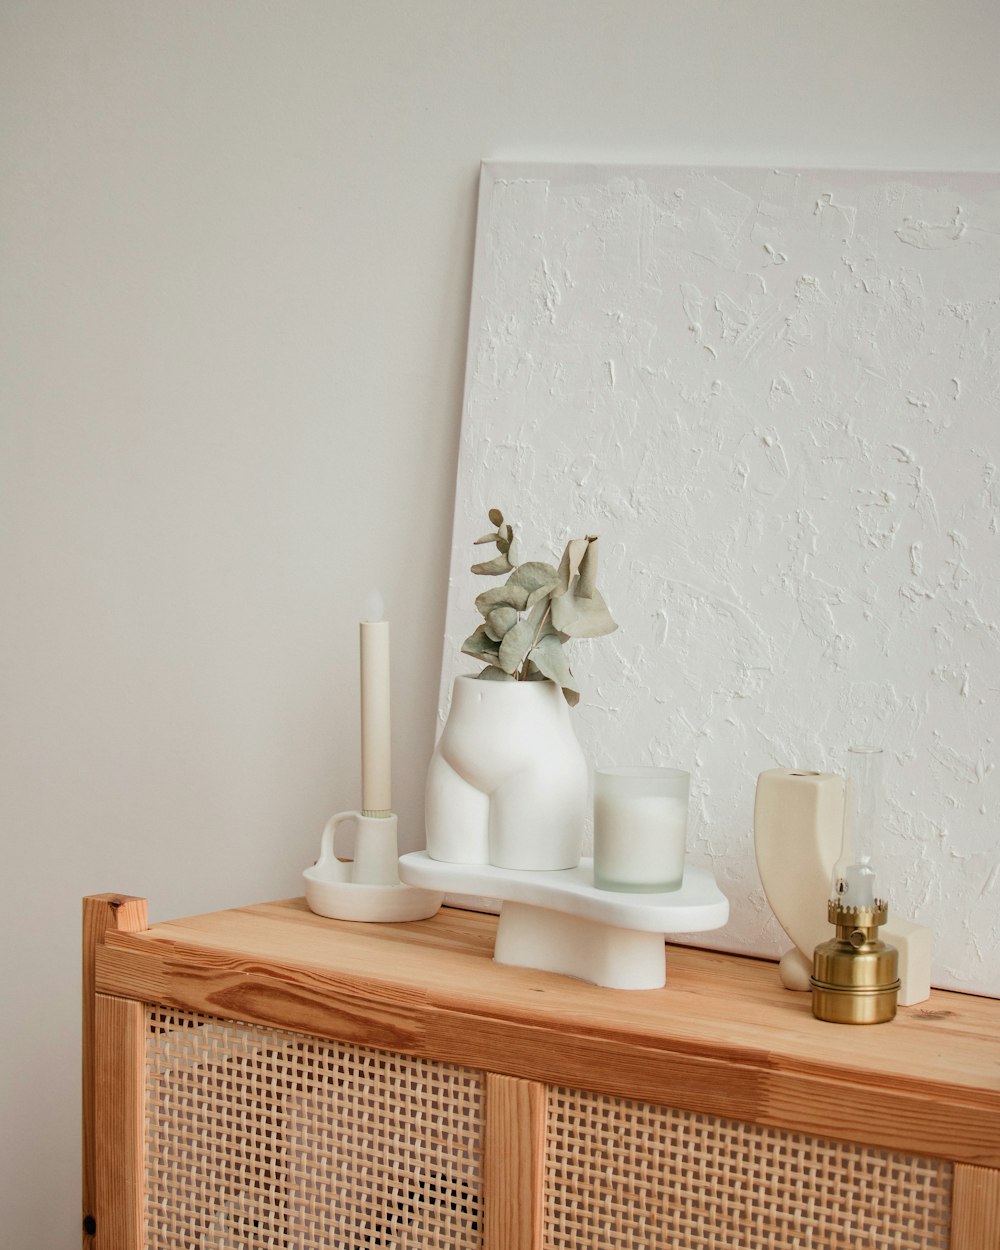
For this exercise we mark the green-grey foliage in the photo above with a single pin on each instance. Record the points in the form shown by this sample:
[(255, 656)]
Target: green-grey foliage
[(536, 610)]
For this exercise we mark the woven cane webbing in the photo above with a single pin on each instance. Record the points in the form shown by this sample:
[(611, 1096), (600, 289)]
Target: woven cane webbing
[(626, 1174), (259, 1139)]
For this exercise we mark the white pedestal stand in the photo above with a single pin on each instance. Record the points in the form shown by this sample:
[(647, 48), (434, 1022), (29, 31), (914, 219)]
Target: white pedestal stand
[(560, 922)]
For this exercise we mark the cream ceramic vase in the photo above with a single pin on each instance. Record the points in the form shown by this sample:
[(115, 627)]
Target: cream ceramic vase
[(798, 822), (507, 784)]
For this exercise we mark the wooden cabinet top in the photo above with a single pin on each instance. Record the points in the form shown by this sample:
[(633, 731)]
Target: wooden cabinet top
[(722, 1037)]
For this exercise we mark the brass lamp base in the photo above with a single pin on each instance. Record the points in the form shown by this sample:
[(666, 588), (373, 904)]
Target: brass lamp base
[(855, 975)]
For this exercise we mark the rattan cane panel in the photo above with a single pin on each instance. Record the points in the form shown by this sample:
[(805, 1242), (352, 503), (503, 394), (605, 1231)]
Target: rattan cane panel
[(259, 1139), (627, 1174)]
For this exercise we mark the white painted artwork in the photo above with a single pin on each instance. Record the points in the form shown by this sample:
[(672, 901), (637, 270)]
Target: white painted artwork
[(774, 394)]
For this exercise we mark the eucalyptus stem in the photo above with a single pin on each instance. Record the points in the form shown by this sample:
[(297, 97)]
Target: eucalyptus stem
[(568, 604), (523, 674)]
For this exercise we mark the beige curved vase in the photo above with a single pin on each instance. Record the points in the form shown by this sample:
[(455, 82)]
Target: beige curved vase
[(798, 820)]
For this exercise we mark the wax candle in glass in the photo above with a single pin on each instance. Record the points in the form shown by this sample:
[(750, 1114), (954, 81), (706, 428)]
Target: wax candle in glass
[(640, 829)]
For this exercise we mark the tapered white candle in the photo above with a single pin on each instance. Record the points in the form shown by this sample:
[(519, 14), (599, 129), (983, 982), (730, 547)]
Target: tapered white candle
[(376, 754)]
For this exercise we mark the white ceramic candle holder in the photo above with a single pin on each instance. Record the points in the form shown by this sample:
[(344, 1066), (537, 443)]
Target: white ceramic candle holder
[(366, 887)]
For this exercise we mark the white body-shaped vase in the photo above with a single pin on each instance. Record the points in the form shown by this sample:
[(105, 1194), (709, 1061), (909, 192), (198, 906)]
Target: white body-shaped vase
[(507, 783)]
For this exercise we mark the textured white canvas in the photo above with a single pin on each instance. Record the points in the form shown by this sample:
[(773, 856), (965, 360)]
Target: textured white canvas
[(773, 394)]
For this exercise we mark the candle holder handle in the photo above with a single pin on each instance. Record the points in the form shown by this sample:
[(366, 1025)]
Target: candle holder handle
[(327, 843)]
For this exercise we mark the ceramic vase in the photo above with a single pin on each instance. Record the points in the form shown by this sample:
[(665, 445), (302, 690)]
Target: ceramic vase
[(507, 784), (798, 823)]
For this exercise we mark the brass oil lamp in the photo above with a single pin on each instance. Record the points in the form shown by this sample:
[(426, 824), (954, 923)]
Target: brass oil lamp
[(855, 975)]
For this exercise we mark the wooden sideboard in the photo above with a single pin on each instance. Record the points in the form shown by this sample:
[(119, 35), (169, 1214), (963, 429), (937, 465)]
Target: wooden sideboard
[(264, 1077)]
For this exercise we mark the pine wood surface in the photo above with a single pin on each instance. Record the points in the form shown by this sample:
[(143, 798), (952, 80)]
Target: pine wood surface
[(514, 1162), (119, 1041), (975, 1221), (722, 1037), (101, 913)]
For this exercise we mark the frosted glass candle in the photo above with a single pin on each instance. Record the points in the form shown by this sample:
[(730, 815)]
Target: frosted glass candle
[(640, 829)]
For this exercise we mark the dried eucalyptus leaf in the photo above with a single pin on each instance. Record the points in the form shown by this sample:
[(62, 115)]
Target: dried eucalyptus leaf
[(516, 645), (543, 592), (538, 624), (588, 570), (508, 595), (495, 674), (479, 641), (569, 565), (503, 546), (550, 659), (533, 574), (482, 646), (582, 617), (514, 552), (540, 617), (496, 517), (492, 568), (486, 538), (499, 621)]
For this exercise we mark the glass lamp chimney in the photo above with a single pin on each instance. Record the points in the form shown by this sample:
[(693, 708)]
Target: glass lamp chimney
[(853, 874)]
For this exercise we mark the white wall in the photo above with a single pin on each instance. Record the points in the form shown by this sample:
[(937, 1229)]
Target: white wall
[(236, 255)]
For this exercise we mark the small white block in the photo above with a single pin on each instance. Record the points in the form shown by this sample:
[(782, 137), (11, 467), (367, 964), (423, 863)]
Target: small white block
[(913, 941)]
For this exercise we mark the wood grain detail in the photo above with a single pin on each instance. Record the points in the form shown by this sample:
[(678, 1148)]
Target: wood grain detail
[(513, 1163), (119, 1093), (975, 1215), (102, 913), (722, 1038)]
